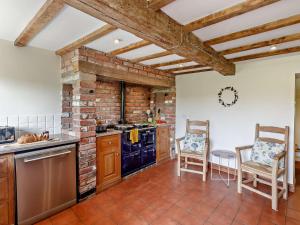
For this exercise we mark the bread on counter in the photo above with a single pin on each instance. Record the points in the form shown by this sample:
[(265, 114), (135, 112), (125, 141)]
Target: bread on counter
[(30, 138)]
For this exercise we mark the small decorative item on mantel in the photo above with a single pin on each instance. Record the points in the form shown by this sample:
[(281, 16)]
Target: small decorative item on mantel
[(228, 96)]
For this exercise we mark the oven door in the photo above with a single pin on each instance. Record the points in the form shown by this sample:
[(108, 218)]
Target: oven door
[(148, 155), (131, 162), (148, 137)]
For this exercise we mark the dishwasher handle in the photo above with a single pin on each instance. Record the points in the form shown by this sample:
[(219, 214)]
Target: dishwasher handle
[(32, 159)]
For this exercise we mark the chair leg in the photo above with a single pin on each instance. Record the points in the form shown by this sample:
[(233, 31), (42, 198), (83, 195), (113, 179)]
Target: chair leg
[(274, 194), (239, 183), (178, 164), (254, 180), (204, 170), (185, 162), (285, 186)]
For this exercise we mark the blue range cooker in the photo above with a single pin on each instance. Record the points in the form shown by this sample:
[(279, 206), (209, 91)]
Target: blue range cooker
[(141, 154)]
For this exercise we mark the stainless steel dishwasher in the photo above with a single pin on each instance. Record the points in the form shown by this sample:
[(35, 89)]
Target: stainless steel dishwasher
[(46, 182)]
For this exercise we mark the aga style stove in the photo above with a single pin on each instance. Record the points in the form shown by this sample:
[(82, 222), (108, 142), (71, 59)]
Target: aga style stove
[(138, 155)]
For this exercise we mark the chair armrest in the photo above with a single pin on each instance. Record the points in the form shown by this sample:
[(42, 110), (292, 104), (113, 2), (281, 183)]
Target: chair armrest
[(279, 156), (242, 148), (275, 163), (238, 152), (179, 139)]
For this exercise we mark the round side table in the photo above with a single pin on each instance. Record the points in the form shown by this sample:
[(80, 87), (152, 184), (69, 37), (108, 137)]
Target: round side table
[(223, 155)]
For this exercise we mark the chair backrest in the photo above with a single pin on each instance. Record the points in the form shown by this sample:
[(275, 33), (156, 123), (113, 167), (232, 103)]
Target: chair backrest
[(275, 130), (197, 127)]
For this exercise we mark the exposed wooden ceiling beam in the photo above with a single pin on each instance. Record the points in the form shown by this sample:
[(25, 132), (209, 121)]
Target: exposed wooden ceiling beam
[(175, 62), (155, 26), (153, 56), (292, 37), (266, 54), (106, 29), (191, 72), (131, 47), (228, 13), (48, 11), (158, 4), (184, 68), (255, 30)]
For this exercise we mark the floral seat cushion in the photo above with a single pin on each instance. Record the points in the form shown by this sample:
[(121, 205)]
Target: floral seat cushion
[(264, 152), (194, 143)]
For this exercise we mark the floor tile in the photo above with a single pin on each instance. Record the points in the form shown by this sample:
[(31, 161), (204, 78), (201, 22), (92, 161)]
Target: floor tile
[(294, 214), (158, 197)]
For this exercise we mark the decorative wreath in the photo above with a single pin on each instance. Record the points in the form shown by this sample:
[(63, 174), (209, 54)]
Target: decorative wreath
[(226, 104)]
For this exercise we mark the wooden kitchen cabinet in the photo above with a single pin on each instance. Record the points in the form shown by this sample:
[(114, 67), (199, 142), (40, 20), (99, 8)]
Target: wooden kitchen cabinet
[(108, 161), (7, 189), (162, 143)]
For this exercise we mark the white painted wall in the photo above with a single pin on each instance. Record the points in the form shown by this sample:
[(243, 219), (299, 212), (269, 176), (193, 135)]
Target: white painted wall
[(29, 82), (266, 95)]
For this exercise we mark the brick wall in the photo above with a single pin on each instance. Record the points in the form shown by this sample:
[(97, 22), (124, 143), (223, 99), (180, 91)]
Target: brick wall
[(108, 101), (137, 103), (69, 63), (67, 120), (92, 99), (84, 127)]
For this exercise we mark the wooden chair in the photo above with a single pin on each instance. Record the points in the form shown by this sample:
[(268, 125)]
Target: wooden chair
[(202, 157), (269, 173)]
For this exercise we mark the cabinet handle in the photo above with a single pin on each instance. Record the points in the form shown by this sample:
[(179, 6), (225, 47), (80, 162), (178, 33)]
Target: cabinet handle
[(110, 142), (117, 154)]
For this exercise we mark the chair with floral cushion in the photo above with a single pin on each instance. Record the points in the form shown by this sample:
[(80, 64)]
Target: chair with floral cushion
[(268, 162), (195, 147)]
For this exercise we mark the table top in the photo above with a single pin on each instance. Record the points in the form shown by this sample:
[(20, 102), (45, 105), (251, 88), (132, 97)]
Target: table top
[(226, 154)]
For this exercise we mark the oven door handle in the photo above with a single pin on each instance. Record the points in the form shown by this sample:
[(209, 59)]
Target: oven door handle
[(27, 160)]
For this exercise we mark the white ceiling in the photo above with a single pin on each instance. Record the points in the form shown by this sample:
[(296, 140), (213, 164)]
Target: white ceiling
[(186, 11), (72, 24), (141, 52), (266, 14), (68, 26), (163, 59), (264, 49), (106, 43), (15, 15), (259, 37)]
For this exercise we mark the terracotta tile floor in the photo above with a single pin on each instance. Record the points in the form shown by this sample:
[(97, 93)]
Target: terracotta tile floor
[(158, 197)]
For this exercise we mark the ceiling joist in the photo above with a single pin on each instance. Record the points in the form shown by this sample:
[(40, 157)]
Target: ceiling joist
[(228, 13), (135, 17), (184, 68), (153, 56), (266, 54), (131, 47), (106, 29), (256, 30), (158, 4), (48, 11), (179, 61), (191, 72), (288, 38)]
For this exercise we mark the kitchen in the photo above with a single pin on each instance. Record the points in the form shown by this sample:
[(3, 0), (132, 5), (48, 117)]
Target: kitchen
[(110, 130), (118, 112)]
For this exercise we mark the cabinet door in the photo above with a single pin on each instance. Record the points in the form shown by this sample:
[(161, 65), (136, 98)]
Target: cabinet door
[(7, 189), (163, 143), (108, 161), (4, 213), (110, 167)]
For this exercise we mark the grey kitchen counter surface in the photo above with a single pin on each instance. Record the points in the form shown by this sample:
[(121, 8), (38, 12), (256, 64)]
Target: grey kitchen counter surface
[(108, 132), (56, 140)]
